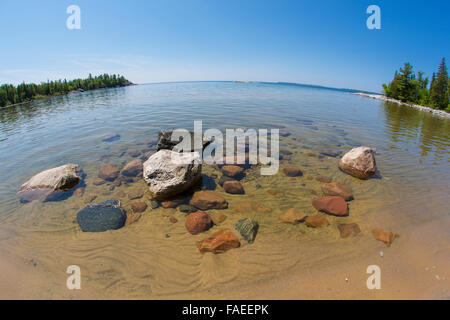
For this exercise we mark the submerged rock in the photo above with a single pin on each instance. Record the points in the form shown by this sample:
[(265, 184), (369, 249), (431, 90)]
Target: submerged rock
[(248, 228), (384, 236), (359, 162), (337, 189), (224, 179), (219, 242), (168, 173), (171, 203), (324, 179), (111, 137), (108, 172), (135, 194), (139, 206), (232, 171), (198, 222), (208, 199), (317, 221), (154, 204), (331, 205), (185, 208), (132, 168), (50, 184), (349, 229), (293, 216), (100, 217), (292, 171), (250, 206), (233, 187)]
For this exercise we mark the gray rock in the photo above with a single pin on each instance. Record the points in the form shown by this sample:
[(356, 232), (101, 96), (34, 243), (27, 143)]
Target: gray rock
[(102, 216), (154, 204), (50, 184), (359, 162), (248, 228), (168, 173), (186, 208)]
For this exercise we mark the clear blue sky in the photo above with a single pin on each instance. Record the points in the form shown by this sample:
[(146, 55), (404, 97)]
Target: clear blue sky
[(316, 42)]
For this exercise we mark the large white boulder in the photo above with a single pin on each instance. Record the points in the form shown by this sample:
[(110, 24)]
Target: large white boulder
[(168, 173), (50, 184), (359, 162)]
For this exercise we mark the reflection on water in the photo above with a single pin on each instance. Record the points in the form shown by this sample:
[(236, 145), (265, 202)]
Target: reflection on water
[(409, 126), (154, 256)]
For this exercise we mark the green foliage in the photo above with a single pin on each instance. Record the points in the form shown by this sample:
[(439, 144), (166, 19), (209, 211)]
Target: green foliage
[(10, 94), (411, 88)]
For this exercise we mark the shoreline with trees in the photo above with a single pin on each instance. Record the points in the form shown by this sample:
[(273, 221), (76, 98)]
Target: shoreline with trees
[(411, 89), (26, 92)]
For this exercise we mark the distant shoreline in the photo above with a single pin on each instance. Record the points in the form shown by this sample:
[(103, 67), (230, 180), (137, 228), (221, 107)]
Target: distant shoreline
[(440, 113)]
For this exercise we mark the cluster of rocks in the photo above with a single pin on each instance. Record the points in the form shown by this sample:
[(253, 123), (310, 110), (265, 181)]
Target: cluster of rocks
[(173, 181)]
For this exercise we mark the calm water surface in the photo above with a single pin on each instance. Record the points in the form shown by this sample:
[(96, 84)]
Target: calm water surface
[(412, 153)]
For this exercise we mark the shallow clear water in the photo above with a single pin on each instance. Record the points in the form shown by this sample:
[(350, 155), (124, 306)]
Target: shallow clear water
[(412, 153)]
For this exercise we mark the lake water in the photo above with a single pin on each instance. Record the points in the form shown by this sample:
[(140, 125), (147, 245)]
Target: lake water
[(154, 257)]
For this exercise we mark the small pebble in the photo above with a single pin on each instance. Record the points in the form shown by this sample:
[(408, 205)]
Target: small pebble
[(437, 277), (381, 254)]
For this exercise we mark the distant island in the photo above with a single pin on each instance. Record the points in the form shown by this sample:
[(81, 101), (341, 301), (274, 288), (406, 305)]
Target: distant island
[(25, 92)]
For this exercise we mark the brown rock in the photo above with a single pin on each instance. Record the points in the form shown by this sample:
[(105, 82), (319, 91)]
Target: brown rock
[(132, 168), (250, 206), (140, 206), (173, 220), (273, 192), (232, 171), (198, 222), (324, 179), (317, 221), (293, 216), (349, 229), (79, 192), (219, 242), (217, 217), (132, 218), (292, 172), (384, 236), (359, 162), (208, 199), (233, 187), (331, 205), (337, 189), (171, 203), (135, 194), (108, 172), (121, 194)]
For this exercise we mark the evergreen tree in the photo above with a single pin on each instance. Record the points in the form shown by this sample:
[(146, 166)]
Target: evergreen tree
[(439, 89)]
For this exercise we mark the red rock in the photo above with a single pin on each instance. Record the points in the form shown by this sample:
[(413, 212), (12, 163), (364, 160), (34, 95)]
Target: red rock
[(317, 221), (219, 242), (384, 236), (331, 205), (337, 189), (198, 222), (208, 199), (292, 172), (232, 171), (138, 206), (233, 187), (108, 172)]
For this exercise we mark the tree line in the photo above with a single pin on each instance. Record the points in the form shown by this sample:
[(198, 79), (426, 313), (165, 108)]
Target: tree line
[(409, 87), (10, 94)]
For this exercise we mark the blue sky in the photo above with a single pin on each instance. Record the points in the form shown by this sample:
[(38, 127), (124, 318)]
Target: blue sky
[(316, 42)]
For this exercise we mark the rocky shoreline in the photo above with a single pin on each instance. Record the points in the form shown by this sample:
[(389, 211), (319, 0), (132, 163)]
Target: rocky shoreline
[(440, 113)]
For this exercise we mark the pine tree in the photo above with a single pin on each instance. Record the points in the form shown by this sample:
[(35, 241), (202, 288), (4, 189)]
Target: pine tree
[(439, 87)]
